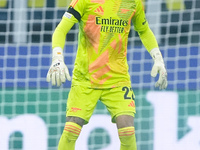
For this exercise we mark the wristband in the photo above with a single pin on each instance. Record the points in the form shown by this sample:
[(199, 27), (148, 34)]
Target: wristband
[(156, 55), (57, 52)]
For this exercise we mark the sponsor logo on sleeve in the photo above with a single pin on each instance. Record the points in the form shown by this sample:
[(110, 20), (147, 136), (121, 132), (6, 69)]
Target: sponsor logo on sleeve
[(67, 15)]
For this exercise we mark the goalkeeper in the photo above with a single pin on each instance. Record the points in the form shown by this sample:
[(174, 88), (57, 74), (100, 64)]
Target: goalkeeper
[(101, 69)]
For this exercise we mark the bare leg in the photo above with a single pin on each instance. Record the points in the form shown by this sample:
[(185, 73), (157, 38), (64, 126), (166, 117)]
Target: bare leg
[(76, 120), (124, 121)]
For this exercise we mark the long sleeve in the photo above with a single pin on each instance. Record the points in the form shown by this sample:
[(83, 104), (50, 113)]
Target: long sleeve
[(148, 39), (59, 35)]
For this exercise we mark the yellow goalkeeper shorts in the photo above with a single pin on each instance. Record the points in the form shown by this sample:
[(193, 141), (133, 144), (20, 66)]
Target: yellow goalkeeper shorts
[(82, 101)]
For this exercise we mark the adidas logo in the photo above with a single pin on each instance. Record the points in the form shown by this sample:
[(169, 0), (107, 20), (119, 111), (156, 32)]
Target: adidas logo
[(99, 10), (132, 104)]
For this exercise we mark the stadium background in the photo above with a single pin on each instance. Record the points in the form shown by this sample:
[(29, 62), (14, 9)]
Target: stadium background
[(25, 56)]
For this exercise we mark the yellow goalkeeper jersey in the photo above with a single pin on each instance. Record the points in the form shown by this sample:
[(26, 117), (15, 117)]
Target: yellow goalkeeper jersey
[(104, 25)]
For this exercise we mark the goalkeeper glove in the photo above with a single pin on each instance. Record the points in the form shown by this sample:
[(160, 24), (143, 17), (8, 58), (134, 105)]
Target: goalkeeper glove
[(58, 71), (159, 67)]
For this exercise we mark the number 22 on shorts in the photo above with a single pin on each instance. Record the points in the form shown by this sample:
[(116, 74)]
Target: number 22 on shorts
[(128, 90)]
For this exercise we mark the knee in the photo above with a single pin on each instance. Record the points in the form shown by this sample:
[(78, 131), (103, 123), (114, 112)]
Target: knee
[(123, 121), (76, 120)]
